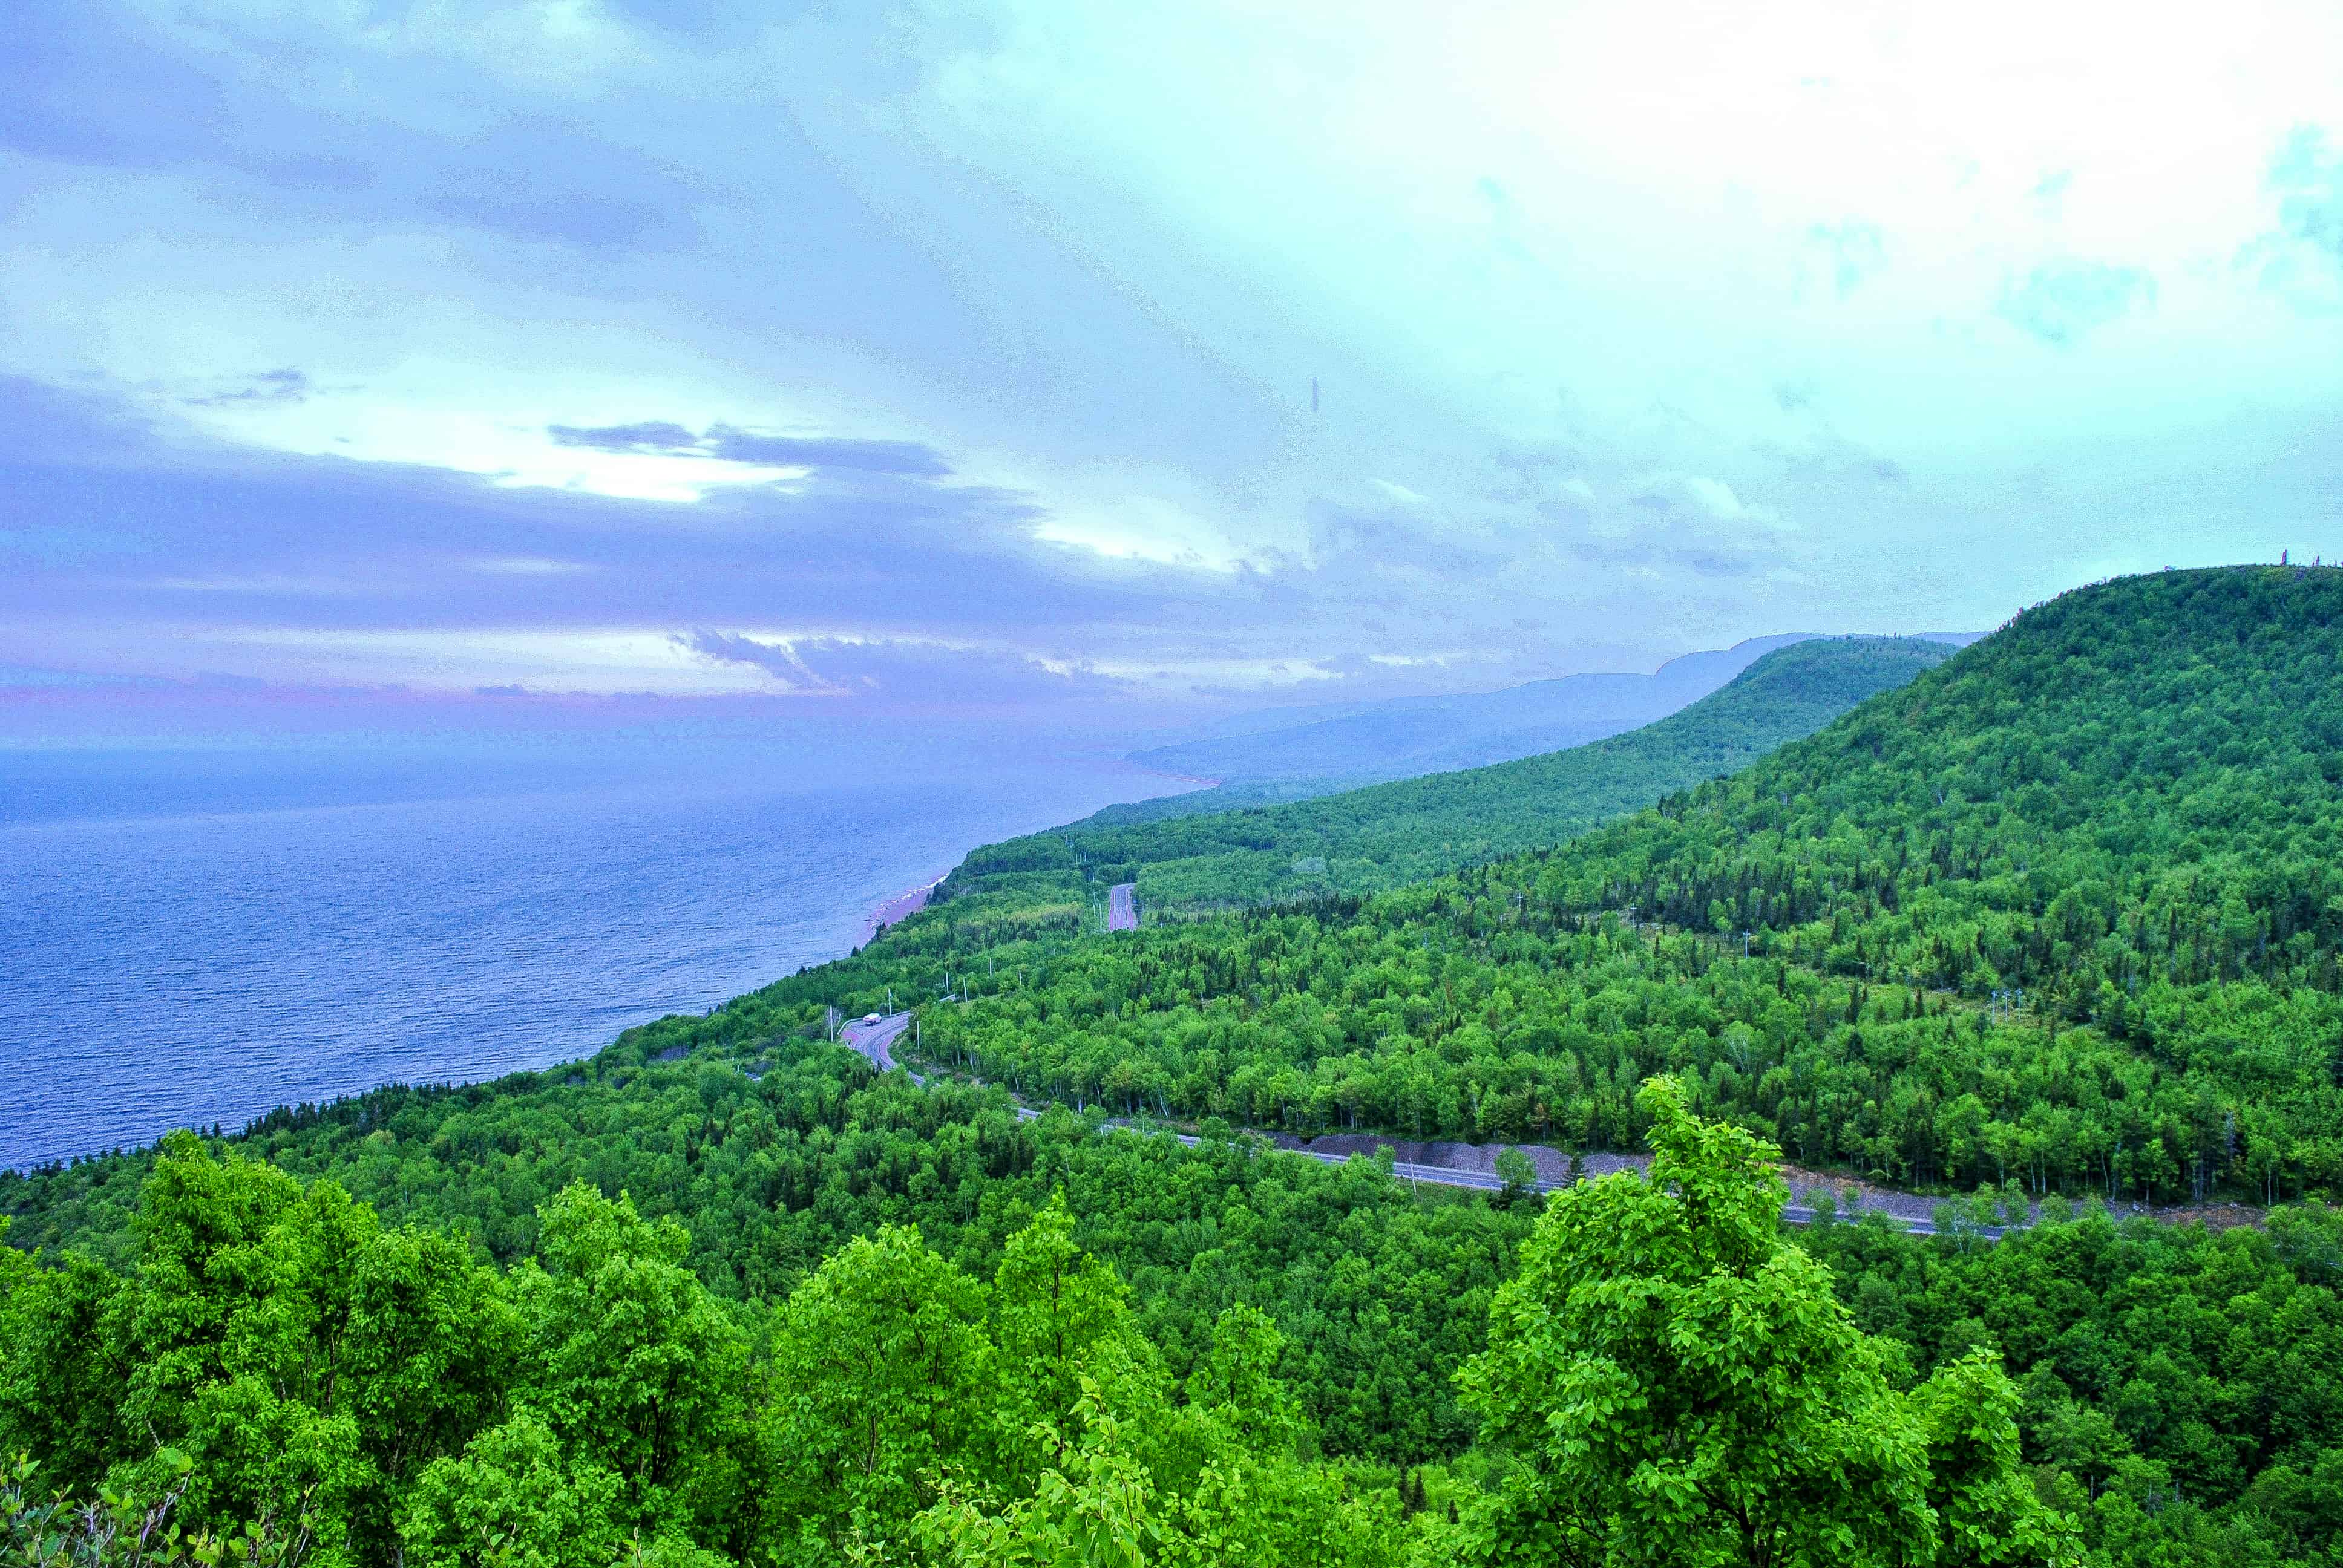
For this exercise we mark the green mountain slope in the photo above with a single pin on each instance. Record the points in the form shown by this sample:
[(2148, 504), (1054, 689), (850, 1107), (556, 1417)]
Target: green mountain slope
[(1365, 839), (2124, 803), (1409, 736), (2123, 806)]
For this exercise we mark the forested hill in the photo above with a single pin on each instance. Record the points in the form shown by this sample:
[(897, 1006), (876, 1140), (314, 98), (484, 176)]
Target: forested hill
[(2133, 784), (656, 1307), (2121, 805), (1377, 838)]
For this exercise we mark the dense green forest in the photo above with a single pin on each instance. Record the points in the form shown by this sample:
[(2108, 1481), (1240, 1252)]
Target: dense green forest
[(2057, 917), (832, 1318), (2060, 912), (1363, 840)]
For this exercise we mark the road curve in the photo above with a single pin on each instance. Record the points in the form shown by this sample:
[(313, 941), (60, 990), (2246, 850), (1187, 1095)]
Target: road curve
[(1122, 914), (1448, 1176), (872, 1039)]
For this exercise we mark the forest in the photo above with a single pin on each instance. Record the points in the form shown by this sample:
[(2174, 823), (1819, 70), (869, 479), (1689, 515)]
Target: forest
[(2055, 916), (1363, 840)]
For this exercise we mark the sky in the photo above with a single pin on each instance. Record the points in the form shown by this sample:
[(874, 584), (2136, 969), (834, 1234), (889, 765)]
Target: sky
[(1111, 364)]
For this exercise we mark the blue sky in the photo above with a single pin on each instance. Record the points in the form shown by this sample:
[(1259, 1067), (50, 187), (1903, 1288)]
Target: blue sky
[(944, 359)]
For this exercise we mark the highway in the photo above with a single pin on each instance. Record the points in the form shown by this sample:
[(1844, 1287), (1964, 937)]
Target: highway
[(872, 1041), (873, 1038), (1121, 915)]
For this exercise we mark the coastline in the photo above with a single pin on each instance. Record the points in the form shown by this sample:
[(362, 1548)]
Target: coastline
[(901, 906), (315, 991), (911, 900)]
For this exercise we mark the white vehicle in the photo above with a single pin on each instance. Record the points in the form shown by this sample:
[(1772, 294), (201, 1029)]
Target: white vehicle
[(871, 1017)]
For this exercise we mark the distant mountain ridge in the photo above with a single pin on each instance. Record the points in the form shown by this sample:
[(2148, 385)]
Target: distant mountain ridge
[(1365, 839), (1287, 752)]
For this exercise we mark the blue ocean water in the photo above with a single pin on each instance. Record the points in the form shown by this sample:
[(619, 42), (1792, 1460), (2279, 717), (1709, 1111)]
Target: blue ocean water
[(192, 938)]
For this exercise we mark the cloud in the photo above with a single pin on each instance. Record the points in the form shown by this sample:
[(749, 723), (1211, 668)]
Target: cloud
[(1856, 250), (1009, 252), (1694, 495), (1795, 395), (525, 566), (2308, 177), (906, 457), (2049, 193), (731, 444), (2300, 260), (286, 385), (902, 673), (650, 437), (2061, 303)]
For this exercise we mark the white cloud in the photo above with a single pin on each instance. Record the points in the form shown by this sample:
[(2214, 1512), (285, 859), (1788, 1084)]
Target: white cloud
[(1712, 500), (1097, 262)]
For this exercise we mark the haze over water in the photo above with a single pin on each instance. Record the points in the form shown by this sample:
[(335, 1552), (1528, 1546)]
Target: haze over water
[(193, 937)]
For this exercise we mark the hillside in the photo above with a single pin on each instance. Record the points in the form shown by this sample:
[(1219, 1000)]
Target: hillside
[(1366, 839), (1368, 743), (2054, 924), (2123, 804)]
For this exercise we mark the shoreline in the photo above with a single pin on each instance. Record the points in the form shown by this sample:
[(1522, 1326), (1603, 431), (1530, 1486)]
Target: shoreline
[(901, 906), (898, 907)]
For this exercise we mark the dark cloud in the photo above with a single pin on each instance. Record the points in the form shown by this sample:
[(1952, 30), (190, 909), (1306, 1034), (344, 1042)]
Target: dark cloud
[(652, 436), (2062, 303), (103, 522), (287, 385), (79, 85), (1357, 544), (1527, 474), (729, 444), (778, 659), (68, 71), (900, 672), (906, 457)]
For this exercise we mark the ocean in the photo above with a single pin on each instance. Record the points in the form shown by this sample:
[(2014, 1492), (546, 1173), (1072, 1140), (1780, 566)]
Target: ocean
[(197, 937)]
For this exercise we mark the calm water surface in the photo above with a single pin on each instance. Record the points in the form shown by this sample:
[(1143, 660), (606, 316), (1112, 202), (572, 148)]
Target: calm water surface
[(191, 940)]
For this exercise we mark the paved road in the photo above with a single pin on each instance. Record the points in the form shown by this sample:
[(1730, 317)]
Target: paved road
[(1120, 914), (873, 1038), (1448, 1176), (872, 1041)]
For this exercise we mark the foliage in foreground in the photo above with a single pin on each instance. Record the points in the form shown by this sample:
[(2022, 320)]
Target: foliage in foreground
[(2179, 1389), (1662, 1365)]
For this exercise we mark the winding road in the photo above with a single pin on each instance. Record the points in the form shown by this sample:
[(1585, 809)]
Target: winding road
[(1122, 914), (872, 1039)]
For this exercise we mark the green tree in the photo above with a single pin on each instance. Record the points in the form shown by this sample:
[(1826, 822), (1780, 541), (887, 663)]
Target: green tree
[(880, 1376), (1239, 1380), (1059, 1316), (631, 1364), (1683, 1387), (63, 1365), (512, 1501), (1518, 1175)]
